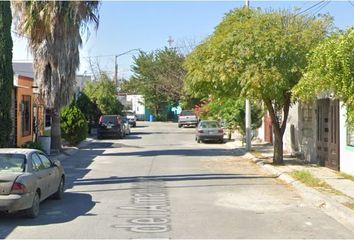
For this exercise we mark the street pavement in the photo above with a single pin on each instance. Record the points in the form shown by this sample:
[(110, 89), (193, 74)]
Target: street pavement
[(160, 183)]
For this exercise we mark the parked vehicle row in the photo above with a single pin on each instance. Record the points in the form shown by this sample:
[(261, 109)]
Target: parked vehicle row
[(114, 126), (27, 177)]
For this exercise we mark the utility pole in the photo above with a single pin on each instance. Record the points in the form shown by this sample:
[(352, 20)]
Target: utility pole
[(170, 41), (116, 65), (248, 110), (116, 71)]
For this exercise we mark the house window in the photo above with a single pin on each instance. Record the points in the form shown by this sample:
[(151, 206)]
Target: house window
[(26, 115), (350, 137)]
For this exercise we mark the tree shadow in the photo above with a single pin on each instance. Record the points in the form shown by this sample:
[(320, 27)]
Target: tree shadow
[(167, 178), (180, 152)]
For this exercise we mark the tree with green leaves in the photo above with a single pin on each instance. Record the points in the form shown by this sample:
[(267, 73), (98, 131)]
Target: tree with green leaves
[(259, 55), (54, 30), (331, 69), (89, 108), (159, 77), (73, 124), (6, 74), (103, 93)]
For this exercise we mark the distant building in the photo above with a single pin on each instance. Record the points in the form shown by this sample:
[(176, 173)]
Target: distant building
[(134, 103)]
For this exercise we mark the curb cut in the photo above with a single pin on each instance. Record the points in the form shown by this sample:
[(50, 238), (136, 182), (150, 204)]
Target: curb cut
[(332, 208)]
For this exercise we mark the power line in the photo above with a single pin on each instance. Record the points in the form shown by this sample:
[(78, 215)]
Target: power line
[(351, 3), (309, 8), (321, 7)]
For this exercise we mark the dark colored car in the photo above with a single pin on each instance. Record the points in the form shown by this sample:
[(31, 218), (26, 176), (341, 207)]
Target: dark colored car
[(110, 126), (187, 118), (27, 177)]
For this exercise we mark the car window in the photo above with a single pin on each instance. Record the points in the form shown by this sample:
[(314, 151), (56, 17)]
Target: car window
[(12, 162), (110, 119), (46, 162), (209, 125), (213, 125), (36, 162), (187, 113)]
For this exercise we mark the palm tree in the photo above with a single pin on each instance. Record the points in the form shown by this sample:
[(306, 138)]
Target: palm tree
[(6, 74), (54, 30)]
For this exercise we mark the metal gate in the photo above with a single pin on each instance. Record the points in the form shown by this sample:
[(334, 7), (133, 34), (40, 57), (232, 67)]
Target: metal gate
[(333, 149), (328, 133)]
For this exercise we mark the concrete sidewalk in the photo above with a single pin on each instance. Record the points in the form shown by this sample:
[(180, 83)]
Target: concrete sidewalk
[(337, 200), (68, 151)]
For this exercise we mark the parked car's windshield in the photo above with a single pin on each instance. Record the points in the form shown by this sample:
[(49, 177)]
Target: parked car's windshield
[(12, 162), (209, 125), (187, 113), (109, 119)]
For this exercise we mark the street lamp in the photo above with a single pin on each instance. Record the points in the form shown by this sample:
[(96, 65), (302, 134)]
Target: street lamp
[(116, 64)]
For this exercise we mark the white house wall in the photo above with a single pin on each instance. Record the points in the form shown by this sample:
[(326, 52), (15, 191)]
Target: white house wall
[(303, 142), (346, 152), (137, 104)]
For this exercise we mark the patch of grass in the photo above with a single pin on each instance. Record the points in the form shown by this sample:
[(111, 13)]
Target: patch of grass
[(347, 176), (308, 179), (349, 205)]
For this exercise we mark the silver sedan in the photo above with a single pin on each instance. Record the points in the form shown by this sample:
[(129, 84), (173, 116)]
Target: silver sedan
[(27, 177), (209, 130)]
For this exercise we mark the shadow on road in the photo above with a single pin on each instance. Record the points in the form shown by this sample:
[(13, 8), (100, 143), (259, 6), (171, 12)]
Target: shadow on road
[(69, 208), (180, 152), (167, 178)]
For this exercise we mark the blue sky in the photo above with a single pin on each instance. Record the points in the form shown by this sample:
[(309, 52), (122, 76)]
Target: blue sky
[(147, 25)]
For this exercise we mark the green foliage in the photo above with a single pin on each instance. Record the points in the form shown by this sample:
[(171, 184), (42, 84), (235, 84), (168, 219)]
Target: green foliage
[(159, 77), (131, 86), (6, 74), (88, 108), (258, 55), (73, 124), (103, 93), (232, 112), (331, 69), (32, 145)]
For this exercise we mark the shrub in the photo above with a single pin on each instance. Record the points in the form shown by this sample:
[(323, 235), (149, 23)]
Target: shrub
[(73, 124), (32, 145)]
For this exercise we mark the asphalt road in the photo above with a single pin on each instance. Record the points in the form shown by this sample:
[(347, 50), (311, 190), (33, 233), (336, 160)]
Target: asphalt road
[(160, 183)]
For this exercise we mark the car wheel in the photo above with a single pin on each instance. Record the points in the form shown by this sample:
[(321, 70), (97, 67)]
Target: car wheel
[(60, 192), (33, 212), (134, 125), (179, 125), (198, 140), (221, 140)]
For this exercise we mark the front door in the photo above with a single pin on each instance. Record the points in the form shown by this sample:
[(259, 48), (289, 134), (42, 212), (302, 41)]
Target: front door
[(328, 133), (322, 130), (333, 145)]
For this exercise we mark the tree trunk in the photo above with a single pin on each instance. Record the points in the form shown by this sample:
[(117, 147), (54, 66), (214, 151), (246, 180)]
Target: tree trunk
[(278, 126), (278, 147), (55, 130)]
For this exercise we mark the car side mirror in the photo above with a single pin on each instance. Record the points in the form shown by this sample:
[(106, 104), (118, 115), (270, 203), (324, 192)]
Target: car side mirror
[(56, 163)]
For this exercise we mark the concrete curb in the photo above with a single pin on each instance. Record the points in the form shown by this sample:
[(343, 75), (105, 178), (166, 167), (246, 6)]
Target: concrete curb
[(332, 208), (69, 152)]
